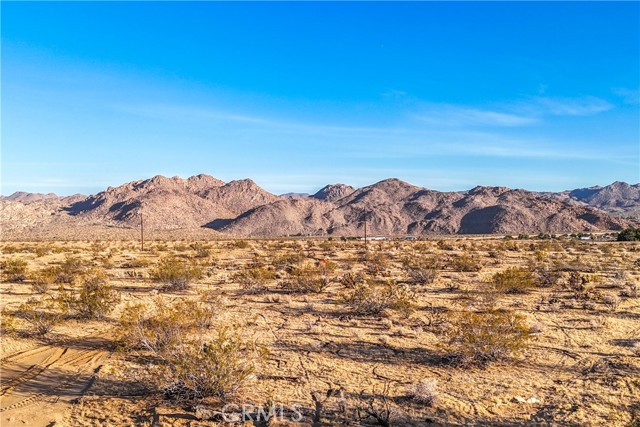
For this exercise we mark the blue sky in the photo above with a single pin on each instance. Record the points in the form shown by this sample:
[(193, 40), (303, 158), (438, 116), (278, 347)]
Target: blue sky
[(543, 96)]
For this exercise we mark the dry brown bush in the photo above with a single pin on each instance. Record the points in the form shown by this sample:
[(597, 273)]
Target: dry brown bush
[(254, 280)]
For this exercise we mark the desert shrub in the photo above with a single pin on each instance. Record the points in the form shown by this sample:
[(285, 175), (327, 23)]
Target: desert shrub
[(95, 298), (162, 327), (39, 314), (629, 234), (576, 281), (631, 290), (136, 263), (288, 260), (612, 302), (43, 279), (241, 244), (350, 280), (307, 278), (483, 337), (70, 269), (186, 366), (7, 322), (372, 297), (514, 280), (546, 277), (254, 280), (422, 270), (201, 251), (217, 366), (377, 262), (465, 263), (176, 273), (14, 270), (425, 391)]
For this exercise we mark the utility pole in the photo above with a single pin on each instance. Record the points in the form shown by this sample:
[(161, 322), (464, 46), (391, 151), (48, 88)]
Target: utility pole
[(141, 229), (365, 230)]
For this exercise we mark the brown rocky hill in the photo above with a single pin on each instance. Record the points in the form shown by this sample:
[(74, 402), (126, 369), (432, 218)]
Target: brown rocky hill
[(242, 208), (396, 207), (618, 198)]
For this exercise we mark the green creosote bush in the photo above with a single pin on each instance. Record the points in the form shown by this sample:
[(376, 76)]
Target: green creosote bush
[(306, 279), (514, 280), (481, 337), (95, 298), (629, 234), (371, 297), (465, 263), (14, 270), (40, 314), (176, 273), (189, 365)]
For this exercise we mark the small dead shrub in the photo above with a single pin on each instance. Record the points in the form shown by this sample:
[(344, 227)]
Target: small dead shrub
[(254, 280), (376, 263), (612, 302), (422, 271), (426, 392)]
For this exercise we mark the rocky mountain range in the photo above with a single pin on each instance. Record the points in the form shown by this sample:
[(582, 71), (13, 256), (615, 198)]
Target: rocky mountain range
[(390, 207)]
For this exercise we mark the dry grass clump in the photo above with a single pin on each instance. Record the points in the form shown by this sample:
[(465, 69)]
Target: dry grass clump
[(254, 280), (425, 391), (14, 270), (514, 280), (176, 273), (482, 337), (371, 297)]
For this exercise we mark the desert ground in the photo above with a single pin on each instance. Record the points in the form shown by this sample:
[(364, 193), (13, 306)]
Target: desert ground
[(442, 331)]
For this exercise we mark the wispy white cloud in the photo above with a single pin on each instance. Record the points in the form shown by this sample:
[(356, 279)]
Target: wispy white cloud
[(454, 115), (629, 96), (583, 106)]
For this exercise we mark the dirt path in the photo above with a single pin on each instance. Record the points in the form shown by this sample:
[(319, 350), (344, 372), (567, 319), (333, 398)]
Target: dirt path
[(38, 385)]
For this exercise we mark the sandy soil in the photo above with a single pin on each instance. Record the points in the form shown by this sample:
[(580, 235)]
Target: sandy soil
[(581, 367)]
